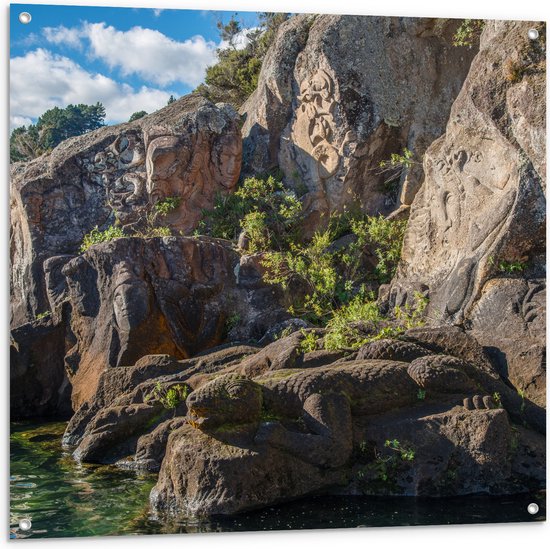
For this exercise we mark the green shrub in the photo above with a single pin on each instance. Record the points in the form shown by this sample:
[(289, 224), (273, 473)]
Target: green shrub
[(360, 322), (405, 453), (169, 398), (95, 236), (468, 32), (394, 168), (232, 321), (167, 205), (511, 267), (309, 343), (266, 211), (331, 277), (313, 267), (386, 238), (153, 232), (44, 314)]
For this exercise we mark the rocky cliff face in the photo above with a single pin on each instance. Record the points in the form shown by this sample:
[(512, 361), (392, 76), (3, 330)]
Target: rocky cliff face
[(475, 241), (339, 94), (189, 150), (144, 337), (134, 297)]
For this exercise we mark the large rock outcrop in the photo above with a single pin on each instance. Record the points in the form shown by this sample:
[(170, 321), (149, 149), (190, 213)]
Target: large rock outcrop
[(369, 425), (190, 150), (174, 295), (39, 386), (338, 94), (475, 242)]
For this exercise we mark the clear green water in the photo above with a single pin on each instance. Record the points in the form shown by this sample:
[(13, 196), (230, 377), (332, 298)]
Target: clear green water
[(63, 499)]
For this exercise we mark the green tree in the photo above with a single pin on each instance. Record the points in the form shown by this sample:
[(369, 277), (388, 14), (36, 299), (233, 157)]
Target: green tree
[(171, 100), (229, 31), (235, 76), (53, 127), (60, 124), (137, 115)]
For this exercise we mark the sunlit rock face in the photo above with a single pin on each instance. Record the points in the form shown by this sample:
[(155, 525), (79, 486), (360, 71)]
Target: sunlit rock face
[(190, 150), (475, 241), (339, 94)]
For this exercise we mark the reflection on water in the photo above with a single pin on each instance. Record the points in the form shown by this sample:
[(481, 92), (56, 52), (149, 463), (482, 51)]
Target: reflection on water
[(63, 498)]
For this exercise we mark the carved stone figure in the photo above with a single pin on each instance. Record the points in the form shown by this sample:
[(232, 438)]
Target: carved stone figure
[(308, 425), (134, 297), (327, 116), (188, 151), (475, 240)]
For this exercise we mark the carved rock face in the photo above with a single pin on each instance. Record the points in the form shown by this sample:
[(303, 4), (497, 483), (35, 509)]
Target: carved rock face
[(328, 113), (482, 204), (134, 297), (190, 150), (475, 241), (230, 399)]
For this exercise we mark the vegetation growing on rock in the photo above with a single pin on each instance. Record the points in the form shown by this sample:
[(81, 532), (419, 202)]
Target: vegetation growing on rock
[(235, 76)]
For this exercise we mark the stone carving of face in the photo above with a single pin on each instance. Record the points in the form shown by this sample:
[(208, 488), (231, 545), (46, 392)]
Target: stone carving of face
[(167, 159), (313, 128), (228, 164), (130, 298)]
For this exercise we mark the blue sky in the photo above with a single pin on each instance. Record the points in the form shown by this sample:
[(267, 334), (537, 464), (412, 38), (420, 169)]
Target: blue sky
[(129, 59)]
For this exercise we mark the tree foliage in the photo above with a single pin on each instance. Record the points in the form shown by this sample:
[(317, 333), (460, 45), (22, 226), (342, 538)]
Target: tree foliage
[(137, 115), (53, 127), (235, 76)]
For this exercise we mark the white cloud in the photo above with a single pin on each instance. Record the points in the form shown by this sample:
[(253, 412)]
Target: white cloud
[(62, 35), (157, 12), (150, 54), (147, 53), (41, 80), (17, 121)]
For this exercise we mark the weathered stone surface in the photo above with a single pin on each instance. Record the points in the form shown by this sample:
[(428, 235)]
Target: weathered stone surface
[(328, 428), (125, 386), (475, 242), (453, 452), (38, 383), (151, 447), (482, 201), (113, 432), (201, 475), (191, 149), (134, 297), (327, 116), (509, 320)]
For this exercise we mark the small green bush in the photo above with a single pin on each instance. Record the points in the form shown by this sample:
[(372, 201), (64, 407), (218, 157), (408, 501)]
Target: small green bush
[(266, 211), (232, 321), (360, 322), (44, 314), (309, 343), (405, 453), (385, 236), (167, 205), (169, 398), (95, 236), (468, 32)]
